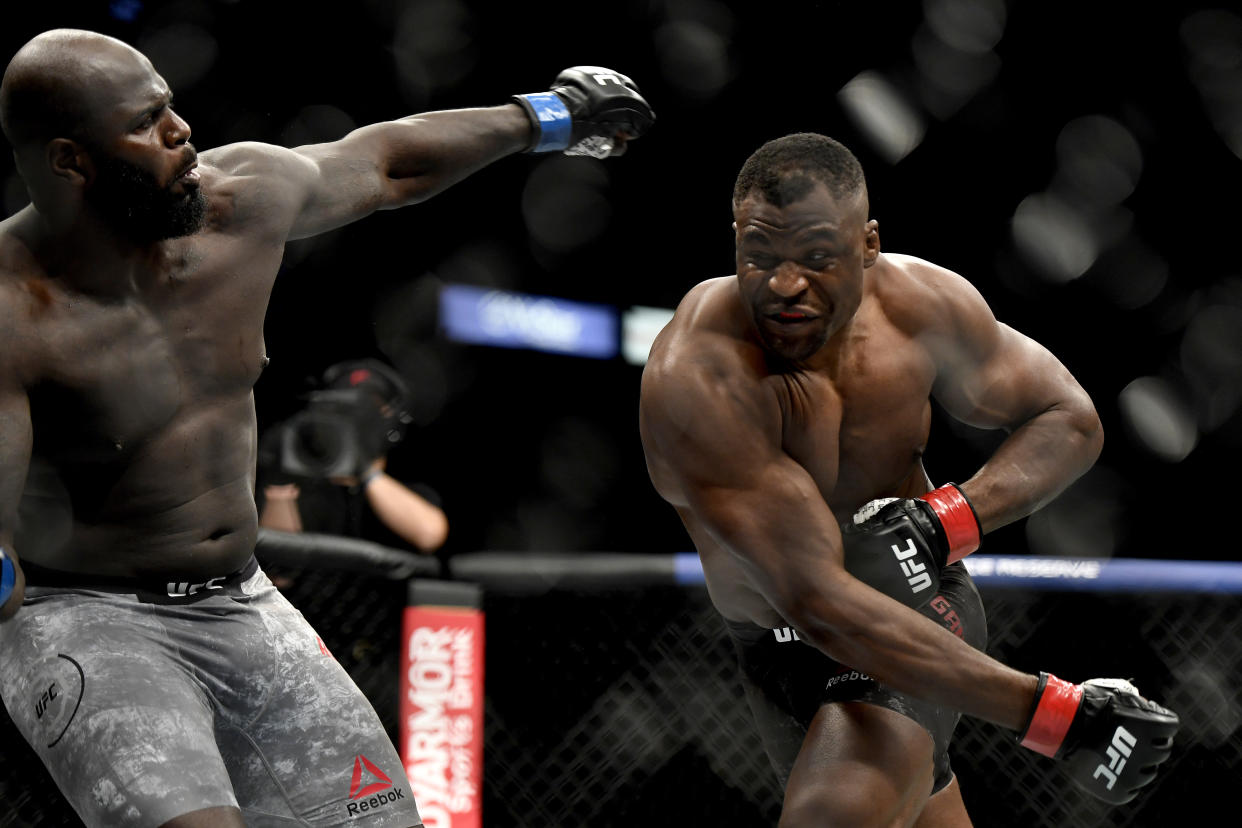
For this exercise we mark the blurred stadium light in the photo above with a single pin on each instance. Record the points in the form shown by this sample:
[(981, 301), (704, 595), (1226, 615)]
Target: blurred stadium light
[(517, 320), (639, 328), (882, 113), (1158, 418)]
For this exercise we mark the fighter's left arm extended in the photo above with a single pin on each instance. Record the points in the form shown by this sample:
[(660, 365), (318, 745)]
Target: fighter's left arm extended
[(588, 111)]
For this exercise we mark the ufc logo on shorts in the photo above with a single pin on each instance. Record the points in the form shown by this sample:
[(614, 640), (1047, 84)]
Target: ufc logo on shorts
[(1118, 752), (915, 572), (182, 589)]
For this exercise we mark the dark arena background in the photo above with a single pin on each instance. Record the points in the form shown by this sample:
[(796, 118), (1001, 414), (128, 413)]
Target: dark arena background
[(1078, 162)]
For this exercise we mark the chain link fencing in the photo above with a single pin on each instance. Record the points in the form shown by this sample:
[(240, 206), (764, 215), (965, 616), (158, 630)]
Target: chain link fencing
[(617, 703)]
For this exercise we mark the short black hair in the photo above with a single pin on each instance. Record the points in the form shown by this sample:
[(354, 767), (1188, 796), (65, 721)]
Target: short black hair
[(785, 169)]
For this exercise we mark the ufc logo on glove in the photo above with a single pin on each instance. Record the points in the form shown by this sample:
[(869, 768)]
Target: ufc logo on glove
[(915, 572), (1122, 744)]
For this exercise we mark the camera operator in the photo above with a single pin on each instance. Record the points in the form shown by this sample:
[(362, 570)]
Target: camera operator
[(324, 469)]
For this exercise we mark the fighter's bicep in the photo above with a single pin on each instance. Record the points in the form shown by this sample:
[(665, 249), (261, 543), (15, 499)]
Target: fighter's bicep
[(1002, 379), (720, 453), (706, 431)]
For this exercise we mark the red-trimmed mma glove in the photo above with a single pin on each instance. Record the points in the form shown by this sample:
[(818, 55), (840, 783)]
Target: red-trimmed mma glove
[(587, 108), (899, 545), (1111, 739)]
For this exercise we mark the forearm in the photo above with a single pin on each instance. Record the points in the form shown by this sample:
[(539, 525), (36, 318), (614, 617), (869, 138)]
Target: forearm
[(794, 556), (900, 648), (280, 509), (414, 518), (1034, 464), (424, 154)]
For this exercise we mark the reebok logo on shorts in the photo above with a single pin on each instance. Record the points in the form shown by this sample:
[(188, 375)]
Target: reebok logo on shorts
[(370, 788)]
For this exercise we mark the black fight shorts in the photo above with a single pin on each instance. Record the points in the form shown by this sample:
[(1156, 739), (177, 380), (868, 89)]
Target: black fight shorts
[(787, 680)]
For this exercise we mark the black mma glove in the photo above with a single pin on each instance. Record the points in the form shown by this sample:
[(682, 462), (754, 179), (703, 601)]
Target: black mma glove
[(585, 111), (1111, 739), (899, 545)]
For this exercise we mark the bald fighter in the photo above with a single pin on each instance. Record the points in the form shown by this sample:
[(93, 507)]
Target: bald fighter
[(143, 653), (784, 415)]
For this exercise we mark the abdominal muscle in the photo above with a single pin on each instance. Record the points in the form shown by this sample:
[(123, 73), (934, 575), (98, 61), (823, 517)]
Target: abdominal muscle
[(179, 504), (212, 535)]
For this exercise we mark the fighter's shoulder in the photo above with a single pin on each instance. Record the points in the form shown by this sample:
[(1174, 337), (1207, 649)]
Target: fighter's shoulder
[(705, 328), (20, 276), (250, 158), (703, 349), (917, 294), (251, 181)]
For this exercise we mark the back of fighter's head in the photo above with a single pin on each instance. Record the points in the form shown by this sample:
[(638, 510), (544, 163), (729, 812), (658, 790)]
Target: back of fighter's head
[(59, 82)]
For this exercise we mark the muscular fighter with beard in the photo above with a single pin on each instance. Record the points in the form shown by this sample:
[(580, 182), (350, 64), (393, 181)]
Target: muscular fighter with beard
[(144, 655)]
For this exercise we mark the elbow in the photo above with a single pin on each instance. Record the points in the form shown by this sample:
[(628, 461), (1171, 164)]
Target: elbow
[(1090, 428), (404, 192), (828, 622)]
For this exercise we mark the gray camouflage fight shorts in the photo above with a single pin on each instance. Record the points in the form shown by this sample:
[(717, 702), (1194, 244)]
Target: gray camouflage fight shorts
[(144, 707)]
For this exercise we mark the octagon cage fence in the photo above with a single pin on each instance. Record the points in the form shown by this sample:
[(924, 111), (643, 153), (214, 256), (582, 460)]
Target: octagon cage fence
[(611, 695)]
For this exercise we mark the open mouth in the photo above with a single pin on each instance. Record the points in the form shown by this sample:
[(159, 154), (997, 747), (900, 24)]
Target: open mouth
[(791, 316), (189, 175)]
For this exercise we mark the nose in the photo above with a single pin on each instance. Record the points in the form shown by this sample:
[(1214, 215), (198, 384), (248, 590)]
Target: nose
[(178, 131), (787, 281)]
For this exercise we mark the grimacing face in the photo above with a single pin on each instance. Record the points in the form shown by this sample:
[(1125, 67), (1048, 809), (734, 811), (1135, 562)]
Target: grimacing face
[(800, 267)]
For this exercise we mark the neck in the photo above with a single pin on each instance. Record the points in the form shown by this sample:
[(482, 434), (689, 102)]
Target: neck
[(89, 255)]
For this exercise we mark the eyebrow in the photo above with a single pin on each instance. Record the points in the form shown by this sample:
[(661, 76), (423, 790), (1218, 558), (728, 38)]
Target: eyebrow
[(824, 234), (165, 101)]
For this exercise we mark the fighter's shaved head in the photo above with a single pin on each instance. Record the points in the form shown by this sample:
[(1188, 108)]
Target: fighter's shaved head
[(47, 87)]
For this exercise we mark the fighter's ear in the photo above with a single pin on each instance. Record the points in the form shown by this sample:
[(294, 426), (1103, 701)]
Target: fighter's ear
[(67, 159), (871, 243)]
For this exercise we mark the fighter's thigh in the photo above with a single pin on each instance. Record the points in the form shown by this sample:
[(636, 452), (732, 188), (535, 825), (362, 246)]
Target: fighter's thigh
[(945, 809), (124, 730), (317, 752), (860, 765)]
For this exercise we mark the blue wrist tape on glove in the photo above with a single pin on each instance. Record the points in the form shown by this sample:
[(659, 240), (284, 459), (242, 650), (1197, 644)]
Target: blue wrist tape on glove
[(555, 124), (8, 576)]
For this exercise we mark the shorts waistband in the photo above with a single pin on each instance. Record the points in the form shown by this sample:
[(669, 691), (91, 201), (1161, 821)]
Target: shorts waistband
[(172, 588)]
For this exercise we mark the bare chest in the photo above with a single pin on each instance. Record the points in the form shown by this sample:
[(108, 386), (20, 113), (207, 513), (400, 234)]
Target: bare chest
[(861, 431), (114, 374)]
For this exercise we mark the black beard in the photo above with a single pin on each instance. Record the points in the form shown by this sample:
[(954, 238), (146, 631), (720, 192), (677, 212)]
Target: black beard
[(129, 198)]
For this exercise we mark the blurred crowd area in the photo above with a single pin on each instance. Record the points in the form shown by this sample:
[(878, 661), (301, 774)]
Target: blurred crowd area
[(1076, 161)]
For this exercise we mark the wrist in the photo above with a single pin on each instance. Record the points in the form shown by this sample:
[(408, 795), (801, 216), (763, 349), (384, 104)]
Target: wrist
[(1052, 711), (551, 123), (961, 526), (367, 477)]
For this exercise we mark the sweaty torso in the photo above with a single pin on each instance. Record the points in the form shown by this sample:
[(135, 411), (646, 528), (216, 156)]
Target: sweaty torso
[(858, 425), (141, 400)]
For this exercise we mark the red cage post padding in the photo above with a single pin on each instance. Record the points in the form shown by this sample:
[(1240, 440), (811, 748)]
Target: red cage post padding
[(441, 724)]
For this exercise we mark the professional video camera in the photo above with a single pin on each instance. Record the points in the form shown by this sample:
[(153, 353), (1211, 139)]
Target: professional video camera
[(358, 416)]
